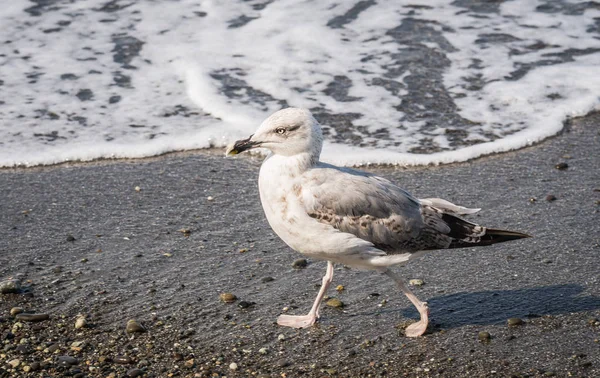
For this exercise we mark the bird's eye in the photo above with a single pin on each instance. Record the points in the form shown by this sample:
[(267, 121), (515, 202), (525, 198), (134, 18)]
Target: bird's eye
[(280, 130)]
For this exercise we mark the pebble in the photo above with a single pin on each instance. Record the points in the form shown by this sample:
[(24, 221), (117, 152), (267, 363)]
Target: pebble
[(515, 321), (122, 360), (137, 189), (70, 238), (10, 286), (550, 198), (334, 302), (561, 166), (52, 348), (80, 322), (35, 366), (134, 326), (267, 279), (14, 363), (233, 366), (16, 310), (245, 304), (26, 368), (416, 282), (143, 363), (484, 336), (263, 351), (32, 317), (340, 288), (227, 297), (300, 264), (189, 363), (66, 361), (23, 349), (283, 363), (281, 337), (135, 373)]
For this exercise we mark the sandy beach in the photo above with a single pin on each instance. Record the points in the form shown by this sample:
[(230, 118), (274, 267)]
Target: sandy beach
[(82, 240)]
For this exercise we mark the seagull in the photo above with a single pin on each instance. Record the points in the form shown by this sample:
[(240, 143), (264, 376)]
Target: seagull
[(349, 217)]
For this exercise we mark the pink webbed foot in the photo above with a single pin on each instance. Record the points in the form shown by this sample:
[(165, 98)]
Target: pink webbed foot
[(297, 321), (417, 329)]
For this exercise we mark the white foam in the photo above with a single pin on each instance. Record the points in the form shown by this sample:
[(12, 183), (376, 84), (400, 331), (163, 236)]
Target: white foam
[(287, 47)]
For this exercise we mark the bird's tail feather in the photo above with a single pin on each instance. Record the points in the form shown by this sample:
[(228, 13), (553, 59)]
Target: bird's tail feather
[(467, 234)]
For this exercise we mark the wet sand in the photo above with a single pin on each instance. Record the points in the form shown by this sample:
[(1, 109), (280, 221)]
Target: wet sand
[(82, 240)]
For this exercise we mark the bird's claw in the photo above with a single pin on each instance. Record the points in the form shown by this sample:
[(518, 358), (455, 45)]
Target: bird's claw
[(295, 321)]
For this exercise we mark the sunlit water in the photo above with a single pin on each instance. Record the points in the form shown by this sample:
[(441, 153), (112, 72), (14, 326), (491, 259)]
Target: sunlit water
[(403, 82)]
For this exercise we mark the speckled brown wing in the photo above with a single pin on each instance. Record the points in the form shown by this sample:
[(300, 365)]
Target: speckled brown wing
[(373, 209)]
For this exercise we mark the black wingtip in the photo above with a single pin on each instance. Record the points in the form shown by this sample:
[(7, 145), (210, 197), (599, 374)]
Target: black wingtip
[(506, 235)]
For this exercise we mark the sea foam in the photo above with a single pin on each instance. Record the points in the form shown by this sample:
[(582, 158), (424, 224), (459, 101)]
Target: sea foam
[(414, 82)]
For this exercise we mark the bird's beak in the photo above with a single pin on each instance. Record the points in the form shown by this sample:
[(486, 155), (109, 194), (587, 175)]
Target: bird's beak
[(241, 146)]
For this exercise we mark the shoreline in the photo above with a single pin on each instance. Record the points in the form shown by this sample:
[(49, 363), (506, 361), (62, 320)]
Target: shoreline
[(214, 151)]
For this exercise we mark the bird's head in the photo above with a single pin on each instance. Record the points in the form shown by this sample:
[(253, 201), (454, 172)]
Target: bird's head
[(287, 132)]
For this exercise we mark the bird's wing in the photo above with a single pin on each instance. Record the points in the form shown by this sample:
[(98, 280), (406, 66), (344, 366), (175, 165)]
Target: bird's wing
[(373, 209)]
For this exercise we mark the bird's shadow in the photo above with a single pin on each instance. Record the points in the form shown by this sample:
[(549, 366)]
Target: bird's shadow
[(494, 307)]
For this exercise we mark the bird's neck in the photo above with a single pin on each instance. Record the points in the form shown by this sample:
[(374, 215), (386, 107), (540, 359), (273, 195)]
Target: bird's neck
[(292, 166)]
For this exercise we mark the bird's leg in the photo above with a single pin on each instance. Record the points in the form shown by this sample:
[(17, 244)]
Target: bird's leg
[(418, 328), (309, 319)]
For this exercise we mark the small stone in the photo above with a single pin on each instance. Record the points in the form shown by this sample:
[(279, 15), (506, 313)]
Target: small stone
[(334, 302), (210, 198), (515, 322), (283, 363), (281, 337), (66, 361), (32, 317), (143, 363), (561, 166), (84, 260), (300, 264), (122, 360), (484, 336), (23, 349), (245, 304), (133, 373), (15, 311), (233, 366), (137, 189), (35, 366), (26, 368), (340, 288), (52, 348), (10, 286), (134, 326), (550, 198), (267, 279), (14, 363), (81, 322), (416, 282), (189, 363), (227, 297), (185, 231), (263, 351), (70, 238)]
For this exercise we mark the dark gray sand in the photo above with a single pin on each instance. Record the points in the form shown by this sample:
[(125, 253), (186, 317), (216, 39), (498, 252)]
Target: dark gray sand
[(82, 240)]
